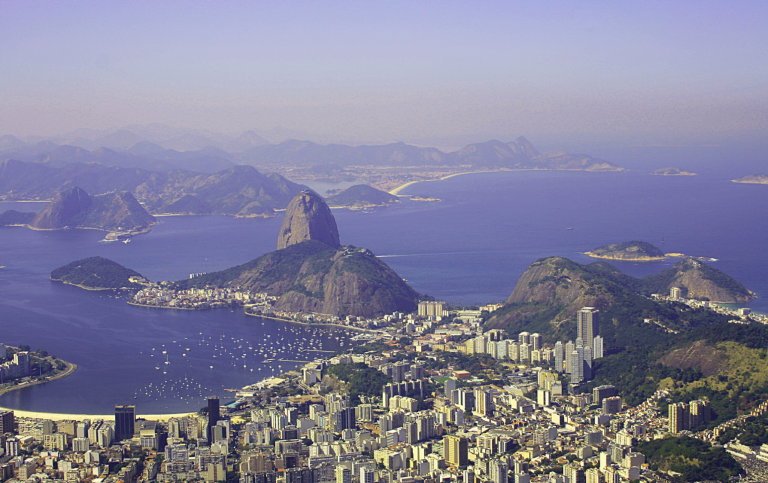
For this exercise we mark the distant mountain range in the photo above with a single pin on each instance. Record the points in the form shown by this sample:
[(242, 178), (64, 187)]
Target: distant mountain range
[(165, 149), (239, 190)]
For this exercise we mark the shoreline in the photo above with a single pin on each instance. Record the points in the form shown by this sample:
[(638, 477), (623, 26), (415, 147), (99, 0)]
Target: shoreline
[(20, 413), (67, 372), (395, 191), (90, 289), (326, 324), (641, 259)]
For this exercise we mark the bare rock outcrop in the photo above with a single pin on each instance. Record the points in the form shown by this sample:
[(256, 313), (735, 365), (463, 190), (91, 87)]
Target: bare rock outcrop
[(308, 218)]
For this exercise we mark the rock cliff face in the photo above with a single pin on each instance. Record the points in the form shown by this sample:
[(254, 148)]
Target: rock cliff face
[(74, 208), (67, 209), (701, 281), (308, 218)]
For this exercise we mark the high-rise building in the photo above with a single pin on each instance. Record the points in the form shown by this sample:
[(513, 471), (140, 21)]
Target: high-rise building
[(483, 402), (597, 347), (611, 405), (455, 449), (678, 417), (21, 359), (431, 309), (537, 341), (125, 421), (7, 422), (213, 415), (559, 356), (699, 412), (367, 475), (524, 338), (343, 474), (588, 324), (601, 392), (448, 386), (576, 365), (498, 471)]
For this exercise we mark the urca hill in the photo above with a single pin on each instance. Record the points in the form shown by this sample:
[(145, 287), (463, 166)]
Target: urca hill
[(312, 272)]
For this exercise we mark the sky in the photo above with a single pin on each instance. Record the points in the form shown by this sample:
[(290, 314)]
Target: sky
[(369, 72)]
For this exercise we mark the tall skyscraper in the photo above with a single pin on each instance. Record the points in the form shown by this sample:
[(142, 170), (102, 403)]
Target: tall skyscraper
[(597, 347), (455, 449), (588, 324), (524, 338), (7, 422), (679, 417), (537, 341), (213, 415), (559, 356), (125, 421), (576, 365)]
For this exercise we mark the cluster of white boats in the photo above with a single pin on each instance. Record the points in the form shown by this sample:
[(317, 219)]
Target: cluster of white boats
[(277, 349)]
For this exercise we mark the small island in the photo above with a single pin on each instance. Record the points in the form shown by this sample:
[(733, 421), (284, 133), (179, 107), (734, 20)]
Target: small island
[(758, 178), (98, 273), (671, 171), (361, 196), (636, 251)]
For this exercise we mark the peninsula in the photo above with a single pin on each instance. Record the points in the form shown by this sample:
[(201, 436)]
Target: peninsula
[(20, 367), (98, 273)]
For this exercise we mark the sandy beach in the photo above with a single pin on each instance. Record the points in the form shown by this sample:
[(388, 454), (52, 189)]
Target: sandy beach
[(92, 417), (397, 190)]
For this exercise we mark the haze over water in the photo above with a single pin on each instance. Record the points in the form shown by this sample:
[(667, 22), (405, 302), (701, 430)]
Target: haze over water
[(469, 248)]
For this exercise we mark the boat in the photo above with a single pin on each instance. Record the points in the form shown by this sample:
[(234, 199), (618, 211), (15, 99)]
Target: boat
[(127, 240), (569, 228)]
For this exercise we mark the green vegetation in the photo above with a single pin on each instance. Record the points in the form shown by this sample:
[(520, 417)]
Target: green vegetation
[(274, 267), (740, 383), (13, 217), (661, 282), (96, 273), (564, 286), (362, 380), (695, 460)]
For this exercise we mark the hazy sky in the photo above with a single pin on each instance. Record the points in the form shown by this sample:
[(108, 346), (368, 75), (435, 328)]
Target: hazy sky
[(384, 71)]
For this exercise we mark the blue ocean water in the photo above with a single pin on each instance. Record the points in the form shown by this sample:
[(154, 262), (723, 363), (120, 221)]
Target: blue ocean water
[(469, 248)]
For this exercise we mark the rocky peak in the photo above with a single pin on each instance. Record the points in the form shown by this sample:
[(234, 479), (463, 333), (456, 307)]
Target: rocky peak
[(308, 218), (67, 209)]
